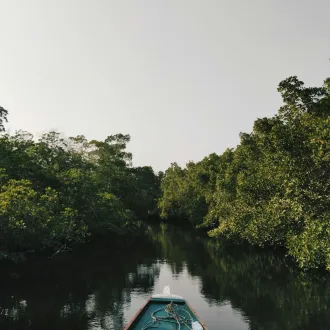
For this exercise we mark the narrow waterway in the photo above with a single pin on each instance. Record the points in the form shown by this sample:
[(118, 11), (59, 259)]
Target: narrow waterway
[(231, 288)]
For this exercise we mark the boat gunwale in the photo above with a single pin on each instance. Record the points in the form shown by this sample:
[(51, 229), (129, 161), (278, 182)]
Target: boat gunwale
[(130, 323), (197, 316), (149, 300)]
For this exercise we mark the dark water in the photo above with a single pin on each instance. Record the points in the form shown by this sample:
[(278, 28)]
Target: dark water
[(102, 288)]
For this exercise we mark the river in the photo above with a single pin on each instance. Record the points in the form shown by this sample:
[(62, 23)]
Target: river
[(101, 287)]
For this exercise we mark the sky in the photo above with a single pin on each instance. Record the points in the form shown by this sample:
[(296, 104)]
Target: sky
[(182, 77)]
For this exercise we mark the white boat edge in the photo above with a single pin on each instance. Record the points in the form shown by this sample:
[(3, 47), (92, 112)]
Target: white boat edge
[(166, 294)]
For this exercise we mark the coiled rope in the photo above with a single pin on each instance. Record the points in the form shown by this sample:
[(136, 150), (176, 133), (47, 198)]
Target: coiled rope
[(173, 316)]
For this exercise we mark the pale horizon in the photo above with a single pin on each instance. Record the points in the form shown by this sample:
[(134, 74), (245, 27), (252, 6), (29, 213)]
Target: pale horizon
[(183, 78)]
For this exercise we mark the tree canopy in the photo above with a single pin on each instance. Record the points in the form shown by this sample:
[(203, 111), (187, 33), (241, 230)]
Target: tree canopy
[(273, 189), (55, 192)]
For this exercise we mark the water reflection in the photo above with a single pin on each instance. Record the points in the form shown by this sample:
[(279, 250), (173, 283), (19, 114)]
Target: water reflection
[(101, 288), (88, 290)]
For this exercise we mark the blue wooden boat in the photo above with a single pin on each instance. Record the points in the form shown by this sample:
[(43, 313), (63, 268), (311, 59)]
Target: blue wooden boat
[(166, 311)]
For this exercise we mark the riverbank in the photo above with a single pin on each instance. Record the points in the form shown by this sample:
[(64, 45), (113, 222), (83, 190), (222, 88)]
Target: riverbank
[(272, 189), (230, 286)]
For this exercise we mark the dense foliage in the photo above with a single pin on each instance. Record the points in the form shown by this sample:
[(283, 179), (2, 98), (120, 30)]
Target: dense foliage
[(273, 189), (55, 192)]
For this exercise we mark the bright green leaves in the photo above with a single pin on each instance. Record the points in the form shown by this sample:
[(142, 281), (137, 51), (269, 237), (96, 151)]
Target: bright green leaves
[(277, 189), (171, 186), (35, 220), (16, 200), (274, 188), (186, 192), (320, 141), (55, 192), (311, 247)]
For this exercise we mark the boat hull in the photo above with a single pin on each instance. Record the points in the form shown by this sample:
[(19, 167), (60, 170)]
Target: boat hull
[(153, 314)]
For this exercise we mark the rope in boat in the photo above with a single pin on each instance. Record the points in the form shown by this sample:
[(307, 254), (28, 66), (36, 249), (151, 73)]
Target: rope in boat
[(173, 316)]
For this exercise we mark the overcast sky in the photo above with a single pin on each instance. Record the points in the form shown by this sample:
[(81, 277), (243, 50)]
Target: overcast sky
[(182, 77)]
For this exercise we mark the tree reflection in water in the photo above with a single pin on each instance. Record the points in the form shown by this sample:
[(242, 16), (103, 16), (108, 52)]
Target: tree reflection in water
[(93, 288)]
